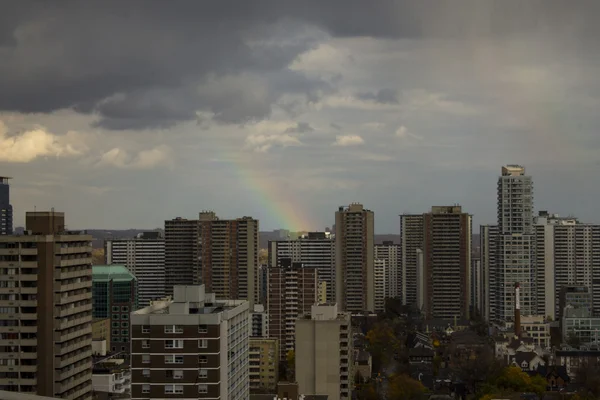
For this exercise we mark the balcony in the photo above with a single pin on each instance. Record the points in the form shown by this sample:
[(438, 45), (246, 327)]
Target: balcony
[(75, 261), (28, 316), (63, 387), (17, 381), (60, 300), (58, 287), (73, 371), (71, 360), (27, 290), (74, 322), (69, 336), (73, 249), (61, 350), (74, 310), (74, 274)]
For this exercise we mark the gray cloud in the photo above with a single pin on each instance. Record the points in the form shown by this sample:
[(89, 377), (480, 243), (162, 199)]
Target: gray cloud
[(383, 96), (301, 127)]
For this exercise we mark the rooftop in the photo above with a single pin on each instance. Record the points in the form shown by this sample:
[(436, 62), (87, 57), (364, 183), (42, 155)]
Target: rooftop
[(105, 273)]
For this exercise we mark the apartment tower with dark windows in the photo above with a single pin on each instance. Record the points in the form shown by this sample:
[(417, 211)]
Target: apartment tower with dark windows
[(6, 210)]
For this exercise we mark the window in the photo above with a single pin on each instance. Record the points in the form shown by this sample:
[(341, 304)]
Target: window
[(125, 316), (178, 374), (115, 324), (145, 344), (202, 388), (115, 309), (173, 329), (202, 343), (115, 332), (203, 373), (124, 324), (125, 332), (202, 329), (173, 344), (124, 309), (170, 389), (122, 348), (146, 373), (202, 359), (145, 358), (115, 316), (173, 359), (145, 388), (145, 329)]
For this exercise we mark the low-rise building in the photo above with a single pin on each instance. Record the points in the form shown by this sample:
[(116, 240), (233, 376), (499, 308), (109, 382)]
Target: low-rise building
[(575, 359), (578, 323), (260, 321), (101, 329), (264, 363), (111, 379), (363, 364), (538, 329)]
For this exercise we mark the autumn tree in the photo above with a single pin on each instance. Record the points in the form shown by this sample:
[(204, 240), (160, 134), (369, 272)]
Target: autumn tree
[(473, 371), (382, 344), (403, 387), (290, 366), (588, 376), (367, 391), (515, 380)]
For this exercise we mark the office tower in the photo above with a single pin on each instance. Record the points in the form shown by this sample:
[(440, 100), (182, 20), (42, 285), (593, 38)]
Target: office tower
[(488, 235), (46, 295), (144, 256), (447, 262), (228, 257), (264, 364), (411, 232), (354, 255), (380, 278), (6, 211), (292, 291), (515, 243), (181, 237), (392, 255), (324, 350), (313, 250), (114, 291), (260, 321), (193, 346), (578, 297)]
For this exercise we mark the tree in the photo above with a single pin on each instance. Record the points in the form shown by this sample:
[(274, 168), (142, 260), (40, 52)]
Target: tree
[(588, 376), (403, 387), (515, 380), (382, 343), (367, 391), (474, 371), (291, 366)]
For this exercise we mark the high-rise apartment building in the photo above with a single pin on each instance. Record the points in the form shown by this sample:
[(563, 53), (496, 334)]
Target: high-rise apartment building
[(292, 292), (228, 257), (380, 278), (264, 364), (260, 321), (114, 291), (324, 353), (354, 257), (193, 347), (488, 235), (313, 250), (411, 233), (392, 254), (181, 238), (447, 263), (46, 298), (6, 211), (516, 242), (144, 256)]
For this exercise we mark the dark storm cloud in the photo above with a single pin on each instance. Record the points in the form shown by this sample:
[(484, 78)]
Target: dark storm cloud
[(146, 64)]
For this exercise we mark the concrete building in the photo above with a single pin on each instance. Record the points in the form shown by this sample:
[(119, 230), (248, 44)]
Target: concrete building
[(292, 292), (111, 379), (264, 363), (181, 238), (488, 235), (579, 323), (101, 329), (46, 298), (313, 250), (515, 243), (193, 346), (260, 322), (411, 232), (537, 328), (324, 341), (354, 257), (392, 254), (228, 257), (447, 263), (114, 293), (144, 256), (576, 297), (6, 210), (380, 279)]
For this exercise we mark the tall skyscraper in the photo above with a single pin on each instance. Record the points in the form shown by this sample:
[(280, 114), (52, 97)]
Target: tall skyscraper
[(392, 254), (447, 263), (516, 243), (381, 282), (6, 211), (46, 298), (144, 256), (411, 231), (354, 257), (292, 292), (489, 285), (228, 257), (114, 290), (181, 238), (192, 347), (314, 250)]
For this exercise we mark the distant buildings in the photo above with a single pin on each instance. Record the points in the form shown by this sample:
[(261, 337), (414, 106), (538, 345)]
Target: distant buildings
[(411, 233), (6, 211), (392, 255), (260, 321), (144, 256), (354, 247), (264, 363), (115, 296), (181, 253), (46, 298), (324, 353), (193, 346)]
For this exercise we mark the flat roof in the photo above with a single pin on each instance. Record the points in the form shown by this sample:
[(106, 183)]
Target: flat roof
[(111, 272)]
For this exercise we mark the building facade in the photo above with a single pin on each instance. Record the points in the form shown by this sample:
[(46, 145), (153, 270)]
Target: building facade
[(144, 256), (46, 298), (292, 292), (6, 210), (193, 346), (324, 353), (181, 238), (264, 364), (380, 278), (354, 258), (411, 233), (260, 321), (313, 250), (392, 255), (488, 235), (115, 296)]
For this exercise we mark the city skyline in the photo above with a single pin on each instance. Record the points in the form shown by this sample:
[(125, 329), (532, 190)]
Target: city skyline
[(288, 112)]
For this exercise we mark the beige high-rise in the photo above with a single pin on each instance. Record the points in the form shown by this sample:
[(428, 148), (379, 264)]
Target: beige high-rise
[(354, 257), (46, 301)]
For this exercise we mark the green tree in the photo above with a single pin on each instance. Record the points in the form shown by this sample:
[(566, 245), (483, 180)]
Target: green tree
[(514, 379), (291, 366), (382, 344), (478, 369), (367, 391), (403, 387)]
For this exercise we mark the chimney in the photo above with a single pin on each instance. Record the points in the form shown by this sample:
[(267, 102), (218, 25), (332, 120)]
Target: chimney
[(517, 311)]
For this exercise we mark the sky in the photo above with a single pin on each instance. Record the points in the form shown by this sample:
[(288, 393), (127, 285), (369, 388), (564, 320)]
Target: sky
[(124, 114)]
